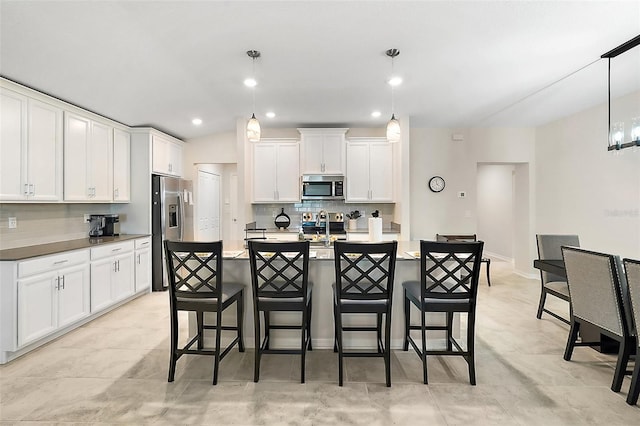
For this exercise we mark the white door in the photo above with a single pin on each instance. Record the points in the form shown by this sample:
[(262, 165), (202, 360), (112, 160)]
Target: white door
[(101, 272), (143, 269), (12, 143), (73, 294), (288, 172), (76, 141), (234, 228), (101, 166), (357, 176), (381, 172), (36, 313), (312, 154), (121, 165), (160, 154), (44, 162), (264, 172), (208, 206), (215, 207), (333, 154), (175, 159), (122, 284)]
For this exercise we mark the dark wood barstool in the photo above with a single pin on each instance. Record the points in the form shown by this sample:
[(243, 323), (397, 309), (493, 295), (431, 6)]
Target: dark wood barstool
[(364, 284), (280, 282), (448, 283), (196, 285)]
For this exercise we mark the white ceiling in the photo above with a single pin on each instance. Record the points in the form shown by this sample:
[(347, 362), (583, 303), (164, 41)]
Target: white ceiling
[(464, 63)]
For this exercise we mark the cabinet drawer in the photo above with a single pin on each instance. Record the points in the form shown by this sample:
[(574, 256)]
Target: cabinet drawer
[(53, 262), (143, 243), (111, 250)]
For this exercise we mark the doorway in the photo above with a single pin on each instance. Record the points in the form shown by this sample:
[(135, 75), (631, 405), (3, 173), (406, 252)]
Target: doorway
[(208, 209), (504, 219)]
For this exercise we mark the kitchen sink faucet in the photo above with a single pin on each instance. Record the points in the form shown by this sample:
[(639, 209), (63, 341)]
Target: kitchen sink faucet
[(323, 213)]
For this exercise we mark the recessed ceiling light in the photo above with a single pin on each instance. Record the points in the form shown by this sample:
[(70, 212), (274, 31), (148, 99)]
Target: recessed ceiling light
[(250, 82), (376, 114), (395, 81), (270, 114), (197, 121)]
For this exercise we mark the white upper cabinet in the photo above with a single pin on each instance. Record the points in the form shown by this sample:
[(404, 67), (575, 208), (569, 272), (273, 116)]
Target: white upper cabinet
[(30, 149), (323, 151), (167, 156), (369, 171), (121, 165), (88, 159), (276, 172)]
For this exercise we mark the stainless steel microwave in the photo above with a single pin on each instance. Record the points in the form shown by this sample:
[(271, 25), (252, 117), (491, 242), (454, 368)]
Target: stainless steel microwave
[(322, 187)]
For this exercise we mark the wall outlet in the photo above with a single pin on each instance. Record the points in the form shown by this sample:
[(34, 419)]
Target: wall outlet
[(462, 194), (87, 218), (13, 223)]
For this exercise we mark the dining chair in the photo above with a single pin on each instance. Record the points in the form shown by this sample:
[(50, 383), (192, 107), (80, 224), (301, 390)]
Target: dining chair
[(364, 275), (632, 271), (596, 283), (549, 248), (280, 282), (449, 275), (462, 238), (196, 285)]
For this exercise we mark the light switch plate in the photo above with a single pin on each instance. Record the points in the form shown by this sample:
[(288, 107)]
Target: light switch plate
[(13, 223)]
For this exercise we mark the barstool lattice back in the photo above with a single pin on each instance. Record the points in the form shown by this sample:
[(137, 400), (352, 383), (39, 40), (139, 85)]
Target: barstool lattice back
[(449, 275), (195, 284), (280, 282), (364, 284)]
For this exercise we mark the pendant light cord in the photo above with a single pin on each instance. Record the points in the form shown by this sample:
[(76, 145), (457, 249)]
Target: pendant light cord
[(392, 88), (253, 91)]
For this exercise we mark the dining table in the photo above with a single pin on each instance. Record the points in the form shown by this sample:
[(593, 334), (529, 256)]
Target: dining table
[(588, 333)]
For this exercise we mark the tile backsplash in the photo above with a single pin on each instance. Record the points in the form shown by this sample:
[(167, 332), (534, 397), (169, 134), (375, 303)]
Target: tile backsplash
[(265, 213), (45, 223)]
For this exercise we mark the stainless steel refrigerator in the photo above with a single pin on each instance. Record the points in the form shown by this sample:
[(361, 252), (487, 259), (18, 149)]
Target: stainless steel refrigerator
[(171, 219)]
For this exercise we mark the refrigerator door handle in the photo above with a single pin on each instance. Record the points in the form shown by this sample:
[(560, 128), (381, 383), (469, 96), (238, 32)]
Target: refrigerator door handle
[(180, 217)]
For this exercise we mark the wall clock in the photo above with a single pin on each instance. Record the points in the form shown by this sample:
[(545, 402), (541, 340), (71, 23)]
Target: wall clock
[(436, 184)]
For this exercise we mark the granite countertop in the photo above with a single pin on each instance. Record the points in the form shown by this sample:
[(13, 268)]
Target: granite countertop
[(366, 231), (21, 253), (294, 230), (407, 250)]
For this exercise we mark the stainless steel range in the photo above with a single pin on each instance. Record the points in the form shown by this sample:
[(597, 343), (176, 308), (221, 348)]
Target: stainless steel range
[(315, 224)]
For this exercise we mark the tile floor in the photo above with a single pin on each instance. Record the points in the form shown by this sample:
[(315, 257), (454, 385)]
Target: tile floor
[(114, 369)]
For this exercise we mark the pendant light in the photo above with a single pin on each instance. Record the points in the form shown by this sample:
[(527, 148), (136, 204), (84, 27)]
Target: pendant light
[(253, 126), (393, 126)]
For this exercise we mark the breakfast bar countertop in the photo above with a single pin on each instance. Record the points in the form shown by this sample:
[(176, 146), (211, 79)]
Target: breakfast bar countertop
[(27, 252)]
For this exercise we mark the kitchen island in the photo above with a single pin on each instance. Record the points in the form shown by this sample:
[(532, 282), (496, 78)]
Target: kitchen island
[(322, 275)]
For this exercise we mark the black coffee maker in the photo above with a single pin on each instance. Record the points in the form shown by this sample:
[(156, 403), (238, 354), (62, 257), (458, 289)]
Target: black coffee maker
[(104, 225)]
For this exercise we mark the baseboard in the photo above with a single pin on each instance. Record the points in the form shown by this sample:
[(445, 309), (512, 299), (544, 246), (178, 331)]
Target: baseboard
[(497, 256)]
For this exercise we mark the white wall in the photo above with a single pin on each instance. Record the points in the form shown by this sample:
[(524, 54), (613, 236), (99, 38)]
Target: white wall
[(582, 188), (433, 153), (495, 185), (217, 148)]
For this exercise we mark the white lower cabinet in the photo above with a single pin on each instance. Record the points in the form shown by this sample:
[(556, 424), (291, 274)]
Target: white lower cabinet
[(52, 298), (44, 296), (112, 274), (143, 264)]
